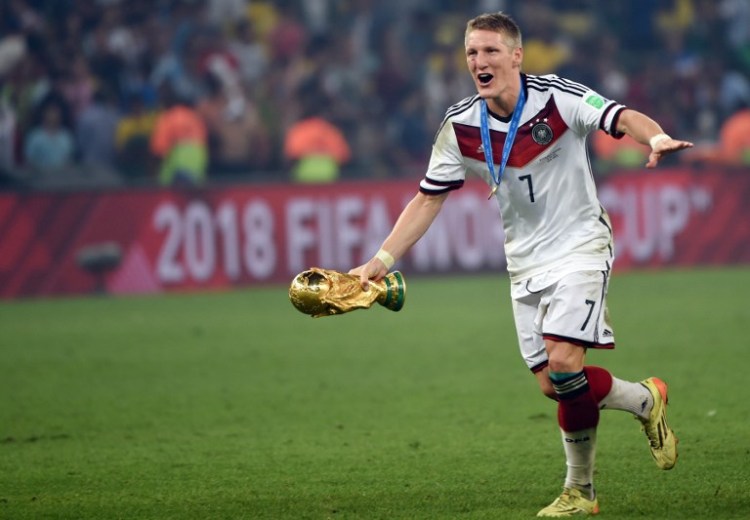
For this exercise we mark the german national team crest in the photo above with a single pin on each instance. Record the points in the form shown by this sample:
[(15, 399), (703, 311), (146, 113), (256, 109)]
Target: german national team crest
[(542, 134)]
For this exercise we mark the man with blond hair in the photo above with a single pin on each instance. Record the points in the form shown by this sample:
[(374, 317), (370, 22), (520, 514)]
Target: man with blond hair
[(525, 135)]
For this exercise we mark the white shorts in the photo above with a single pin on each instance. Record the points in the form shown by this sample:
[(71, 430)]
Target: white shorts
[(571, 309)]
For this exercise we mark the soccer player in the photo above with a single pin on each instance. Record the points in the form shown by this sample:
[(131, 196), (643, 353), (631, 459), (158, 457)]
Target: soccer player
[(525, 135)]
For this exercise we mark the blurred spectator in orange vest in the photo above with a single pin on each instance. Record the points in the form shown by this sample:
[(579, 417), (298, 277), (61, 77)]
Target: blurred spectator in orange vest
[(317, 146), (180, 141), (733, 147)]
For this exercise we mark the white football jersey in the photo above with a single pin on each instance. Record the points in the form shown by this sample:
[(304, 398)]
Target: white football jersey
[(552, 218)]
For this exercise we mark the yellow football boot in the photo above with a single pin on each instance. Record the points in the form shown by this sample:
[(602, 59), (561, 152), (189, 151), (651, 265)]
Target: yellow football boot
[(570, 503), (661, 438)]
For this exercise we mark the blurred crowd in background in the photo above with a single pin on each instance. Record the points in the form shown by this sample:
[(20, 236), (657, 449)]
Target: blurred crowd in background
[(112, 92)]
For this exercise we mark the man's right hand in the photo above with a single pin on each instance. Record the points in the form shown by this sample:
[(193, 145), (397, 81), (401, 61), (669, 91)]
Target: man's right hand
[(375, 269)]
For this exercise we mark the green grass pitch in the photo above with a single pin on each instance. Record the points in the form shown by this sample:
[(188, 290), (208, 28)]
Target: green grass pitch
[(236, 406)]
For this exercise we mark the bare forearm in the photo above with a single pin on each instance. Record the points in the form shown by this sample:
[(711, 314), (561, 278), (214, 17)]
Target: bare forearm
[(647, 131), (413, 222), (638, 126)]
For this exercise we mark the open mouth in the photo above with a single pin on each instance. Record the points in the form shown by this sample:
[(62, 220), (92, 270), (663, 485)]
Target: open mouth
[(484, 78)]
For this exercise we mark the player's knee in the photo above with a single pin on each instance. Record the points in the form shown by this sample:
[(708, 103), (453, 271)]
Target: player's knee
[(562, 366), (565, 357)]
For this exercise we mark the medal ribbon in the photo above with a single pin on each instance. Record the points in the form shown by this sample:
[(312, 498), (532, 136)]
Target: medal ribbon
[(487, 142)]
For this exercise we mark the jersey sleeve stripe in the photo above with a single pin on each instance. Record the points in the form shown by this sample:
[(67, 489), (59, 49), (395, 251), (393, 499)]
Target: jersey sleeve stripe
[(436, 187), (566, 86), (605, 114), (557, 79), (463, 102), (461, 106), (613, 127), (574, 84), (541, 88), (609, 123), (456, 109)]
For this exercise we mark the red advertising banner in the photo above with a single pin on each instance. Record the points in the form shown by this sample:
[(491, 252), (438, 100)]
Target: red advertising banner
[(679, 218), (246, 235)]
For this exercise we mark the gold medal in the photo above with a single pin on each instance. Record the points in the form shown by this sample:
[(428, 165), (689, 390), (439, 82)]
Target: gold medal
[(492, 192)]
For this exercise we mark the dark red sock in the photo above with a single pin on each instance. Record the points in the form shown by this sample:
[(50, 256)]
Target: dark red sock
[(600, 381), (577, 408), (578, 413)]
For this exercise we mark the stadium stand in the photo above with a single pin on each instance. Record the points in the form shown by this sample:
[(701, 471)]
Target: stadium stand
[(386, 71)]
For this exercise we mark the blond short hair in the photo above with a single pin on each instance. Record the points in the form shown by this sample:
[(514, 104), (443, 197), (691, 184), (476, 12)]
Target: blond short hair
[(497, 22)]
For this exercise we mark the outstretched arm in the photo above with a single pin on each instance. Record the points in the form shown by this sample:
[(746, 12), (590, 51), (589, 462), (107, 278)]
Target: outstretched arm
[(647, 131), (413, 222)]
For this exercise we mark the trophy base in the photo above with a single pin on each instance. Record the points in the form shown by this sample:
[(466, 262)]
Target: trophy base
[(395, 291)]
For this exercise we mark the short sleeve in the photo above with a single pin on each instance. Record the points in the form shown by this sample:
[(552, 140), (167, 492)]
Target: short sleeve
[(594, 112), (446, 170)]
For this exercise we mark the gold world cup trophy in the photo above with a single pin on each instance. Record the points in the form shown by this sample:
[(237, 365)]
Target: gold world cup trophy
[(324, 292)]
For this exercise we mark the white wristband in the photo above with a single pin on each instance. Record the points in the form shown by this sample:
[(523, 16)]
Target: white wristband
[(385, 257), (657, 139)]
